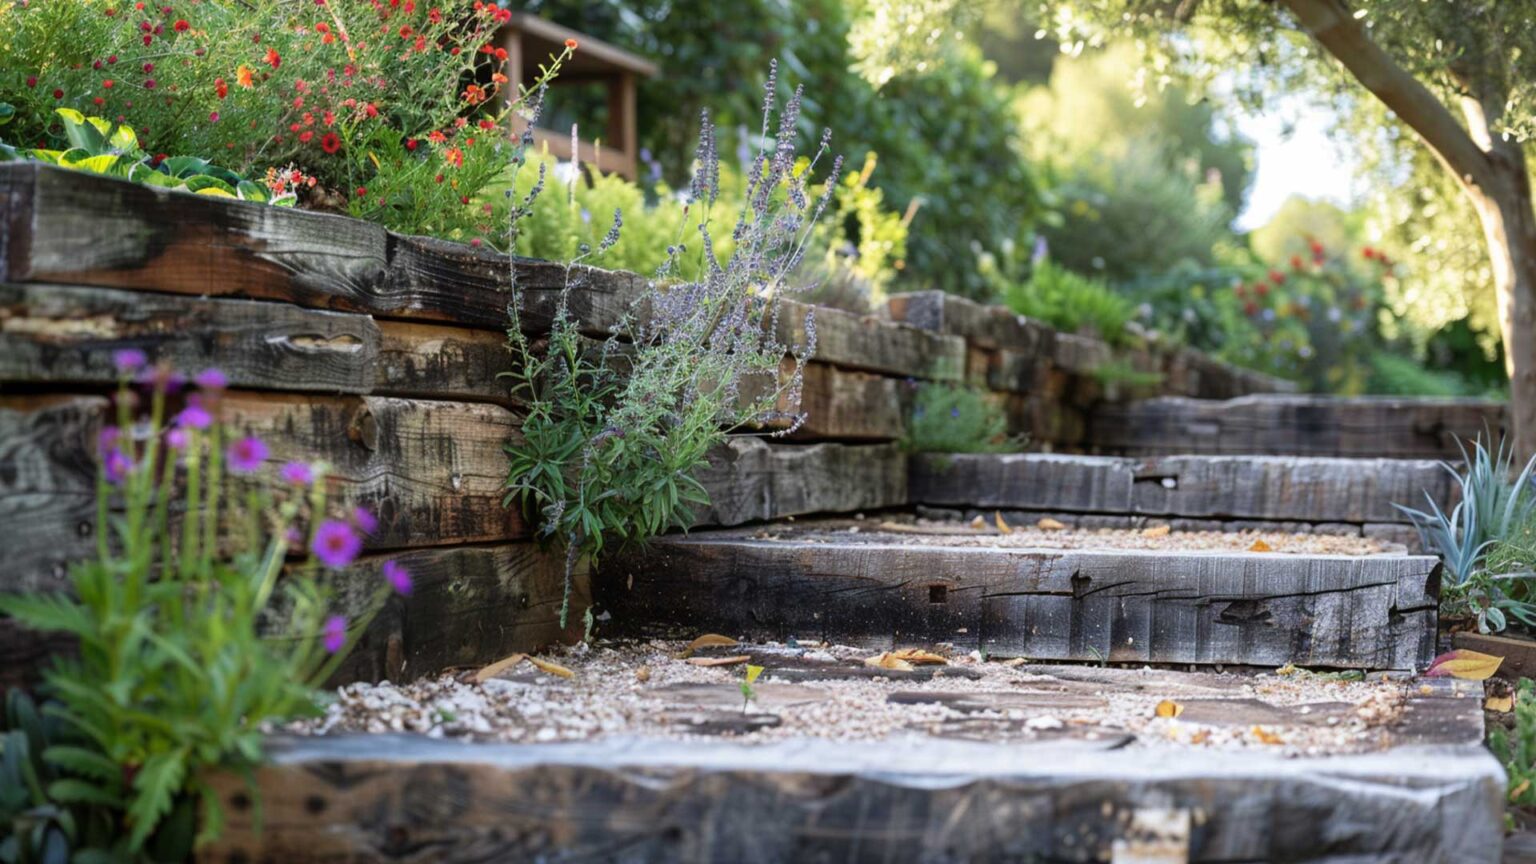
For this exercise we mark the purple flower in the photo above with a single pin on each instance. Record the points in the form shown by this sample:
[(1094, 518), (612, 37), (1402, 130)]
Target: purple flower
[(107, 438), (162, 378), (246, 455), (128, 360), (955, 413), (363, 518), (399, 578), (176, 439), (117, 465), (211, 379), (297, 474), (335, 633), (194, 416), (335, 544)]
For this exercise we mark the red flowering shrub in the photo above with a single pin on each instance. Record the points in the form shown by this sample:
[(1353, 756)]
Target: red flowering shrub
[(333, 90)]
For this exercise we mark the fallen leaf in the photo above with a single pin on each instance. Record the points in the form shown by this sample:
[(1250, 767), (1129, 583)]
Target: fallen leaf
[(486, 673), (719, 661), (1168, 708), (978, 523), (551, 668), (1265, 736), (753, 672), (1287, 669), (887, 660), (1260, 546), (1518, 790), (643, 674), (919, 657), (1502, 704), (1156, 531), (1200, 736), (1016, 661), (1001, 525), (1049, 524), (708, 640), (1461, 663)]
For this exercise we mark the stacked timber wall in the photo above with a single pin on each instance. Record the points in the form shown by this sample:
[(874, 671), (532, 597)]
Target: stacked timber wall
[(379, 354)]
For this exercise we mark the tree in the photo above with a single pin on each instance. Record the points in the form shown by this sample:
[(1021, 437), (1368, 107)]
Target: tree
[(1428, 63)]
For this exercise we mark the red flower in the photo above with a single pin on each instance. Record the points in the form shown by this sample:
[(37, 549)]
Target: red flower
[(410, 143), (149, 84), (330, 143), (1250, 308), (362, 191), (370, 110), (273, 59), (58, 94), (1261, 289), (305, 136), (31, 80), (181, 25), (1295, 262), (1368, 253), (1277, 277), (108, 83), (220, 88)]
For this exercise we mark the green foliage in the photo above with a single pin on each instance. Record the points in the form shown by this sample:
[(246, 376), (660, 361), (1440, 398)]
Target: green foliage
[(1071, 302), (173, 676), (1516, 749), (1394, 374), (616, 431), (947, 418), (1121, 371)]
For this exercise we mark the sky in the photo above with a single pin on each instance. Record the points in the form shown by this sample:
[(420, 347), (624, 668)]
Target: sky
[(1304, 163)]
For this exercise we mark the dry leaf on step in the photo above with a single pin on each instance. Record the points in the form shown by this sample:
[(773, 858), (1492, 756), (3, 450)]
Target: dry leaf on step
[(1016, 661), (918, 657), (719, 661), (1502, 704), (1049, 524), (708, 640), (1168, 708), (1461, 663), (551, 668), (887, 660), (1260, 546), (1156, 531), (1265, 736), (978, 523), (643, 674), (1001, 525), (486, 673)]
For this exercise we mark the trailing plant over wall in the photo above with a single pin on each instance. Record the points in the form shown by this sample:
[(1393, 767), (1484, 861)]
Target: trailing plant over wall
[(175, 673), (616, 431)]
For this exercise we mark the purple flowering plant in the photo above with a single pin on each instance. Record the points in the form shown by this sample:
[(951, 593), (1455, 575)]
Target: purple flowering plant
[(198, 619), (616, 431)]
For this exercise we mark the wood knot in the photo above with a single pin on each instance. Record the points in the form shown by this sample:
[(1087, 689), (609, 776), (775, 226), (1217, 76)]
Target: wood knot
[(363, 429)]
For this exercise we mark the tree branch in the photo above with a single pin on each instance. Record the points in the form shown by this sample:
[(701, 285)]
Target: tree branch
[(1334, 26)]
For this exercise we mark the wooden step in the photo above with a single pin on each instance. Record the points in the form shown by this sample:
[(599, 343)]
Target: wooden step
[(885, 589), (1291, 425), (1277, 488), (1433, 798)]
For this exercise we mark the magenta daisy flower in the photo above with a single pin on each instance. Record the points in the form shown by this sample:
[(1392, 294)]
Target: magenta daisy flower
[(194, 416), (246, 455), (117, 465), (211, 379), (176, 439), (128, 360), (364, 519), (398, 577), (107, 438), (335, 633), (297, 474), (335, 544)]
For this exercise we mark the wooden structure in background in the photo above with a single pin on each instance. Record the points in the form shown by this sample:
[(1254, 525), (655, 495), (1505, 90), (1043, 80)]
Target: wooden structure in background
[(531, 41)]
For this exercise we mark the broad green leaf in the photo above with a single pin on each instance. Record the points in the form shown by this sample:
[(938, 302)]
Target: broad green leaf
[(203, 182), (185, 166), (216, 192), (81, 133), (71, 791), (123, 139), (105, 163), (251, 191), (143, 173), (80, 760), (7, 112)]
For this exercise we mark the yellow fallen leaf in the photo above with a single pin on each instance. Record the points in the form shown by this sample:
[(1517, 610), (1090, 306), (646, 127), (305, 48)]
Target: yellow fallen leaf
[(1168, 708), (1260, 546), (1518, 790), (486, 673), (919, 657), (1156, 531), (551, 668), (1287, 669), (1200, 736), (708, 640), (887, 660), (1049, 524), (643, 674), (718, 661), (1502, 704), (1016, 661), (1001, 525), (978, 523), (1461, 663), (753, 672), (1266, 737)]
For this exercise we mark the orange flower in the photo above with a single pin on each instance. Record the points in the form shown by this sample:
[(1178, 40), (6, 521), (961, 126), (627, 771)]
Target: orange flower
[(454, 156), (571, 44), (243, 77), (273, 59)]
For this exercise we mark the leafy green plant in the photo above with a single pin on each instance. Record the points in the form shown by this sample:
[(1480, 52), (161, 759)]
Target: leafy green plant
[(174, 676), (616, 431), (1071, 302), (1121, 371), (1516, 748), (100, 146), (947, 418)]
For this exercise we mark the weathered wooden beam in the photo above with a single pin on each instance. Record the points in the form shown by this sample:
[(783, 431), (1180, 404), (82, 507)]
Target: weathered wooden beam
[(64, 335), (1268, 487), (870, 343), (1365, 426), (751, 480), (1259, 609), (846, 405), (413, 799), (983, 326)]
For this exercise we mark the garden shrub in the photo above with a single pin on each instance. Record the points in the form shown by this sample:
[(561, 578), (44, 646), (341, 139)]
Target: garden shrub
[(948, 418), (174, 674), (1071, 302), (615, 432)]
